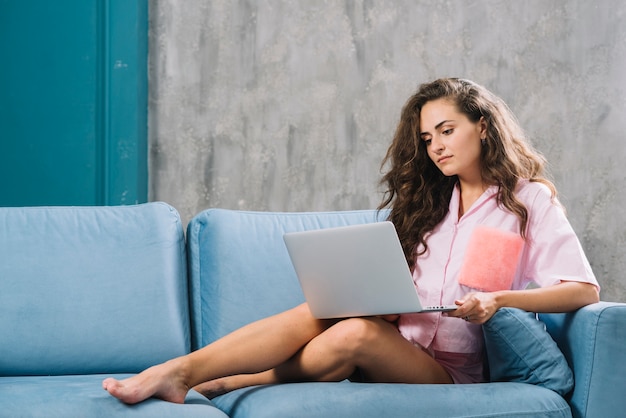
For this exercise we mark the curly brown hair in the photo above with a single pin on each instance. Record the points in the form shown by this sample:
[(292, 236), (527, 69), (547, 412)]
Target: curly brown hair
[(416, 190)]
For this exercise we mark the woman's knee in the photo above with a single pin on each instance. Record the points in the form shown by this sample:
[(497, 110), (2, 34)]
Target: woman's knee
[(355, 335)]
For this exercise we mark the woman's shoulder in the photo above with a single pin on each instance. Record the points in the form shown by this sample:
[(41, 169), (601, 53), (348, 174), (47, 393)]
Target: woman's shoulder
[(536, 195), (531, 190)]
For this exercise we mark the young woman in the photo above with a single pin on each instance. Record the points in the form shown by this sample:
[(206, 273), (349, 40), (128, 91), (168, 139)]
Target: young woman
[(458, 160)]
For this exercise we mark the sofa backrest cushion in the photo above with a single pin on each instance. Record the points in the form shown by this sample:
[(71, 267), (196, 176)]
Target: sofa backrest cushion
[(239, 267), (91, 289)]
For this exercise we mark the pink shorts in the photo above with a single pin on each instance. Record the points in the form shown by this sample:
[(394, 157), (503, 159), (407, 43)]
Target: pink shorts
[(462, 367)]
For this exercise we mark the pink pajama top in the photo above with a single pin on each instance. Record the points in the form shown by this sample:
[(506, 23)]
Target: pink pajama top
[(551, 254)]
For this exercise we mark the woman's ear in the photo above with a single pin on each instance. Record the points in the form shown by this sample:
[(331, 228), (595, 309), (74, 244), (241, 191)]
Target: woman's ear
[(482, 124)]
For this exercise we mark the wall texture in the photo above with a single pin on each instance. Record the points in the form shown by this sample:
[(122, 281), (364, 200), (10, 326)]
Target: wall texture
[(290, 105)]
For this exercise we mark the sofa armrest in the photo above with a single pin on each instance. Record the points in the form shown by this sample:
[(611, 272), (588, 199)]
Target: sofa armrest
[(593, 339)]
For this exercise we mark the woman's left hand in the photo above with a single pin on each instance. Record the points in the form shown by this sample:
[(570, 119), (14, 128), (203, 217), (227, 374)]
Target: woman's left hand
[(476, 307)]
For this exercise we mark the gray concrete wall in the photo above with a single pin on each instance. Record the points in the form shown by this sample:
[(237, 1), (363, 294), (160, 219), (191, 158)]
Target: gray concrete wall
[(290, 105)]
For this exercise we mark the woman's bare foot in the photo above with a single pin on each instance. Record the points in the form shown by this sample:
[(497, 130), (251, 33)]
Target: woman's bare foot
[(165, 381)]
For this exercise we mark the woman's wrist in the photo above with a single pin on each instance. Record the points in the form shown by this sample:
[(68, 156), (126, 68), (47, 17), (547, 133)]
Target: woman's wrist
[(501, 299)]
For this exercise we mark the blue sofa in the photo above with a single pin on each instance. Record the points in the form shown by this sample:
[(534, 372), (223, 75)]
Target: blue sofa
[(92, 292)]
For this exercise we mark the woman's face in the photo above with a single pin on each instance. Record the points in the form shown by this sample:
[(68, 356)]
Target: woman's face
[(452, 140)]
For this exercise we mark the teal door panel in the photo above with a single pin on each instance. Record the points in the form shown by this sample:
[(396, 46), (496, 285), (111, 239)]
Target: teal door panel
[(73, 87)]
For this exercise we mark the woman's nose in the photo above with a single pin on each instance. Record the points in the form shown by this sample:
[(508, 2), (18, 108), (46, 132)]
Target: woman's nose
[(437, 145)]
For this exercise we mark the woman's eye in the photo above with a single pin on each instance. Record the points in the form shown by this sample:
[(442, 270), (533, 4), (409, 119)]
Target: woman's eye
[(448, 131), (428, 141)]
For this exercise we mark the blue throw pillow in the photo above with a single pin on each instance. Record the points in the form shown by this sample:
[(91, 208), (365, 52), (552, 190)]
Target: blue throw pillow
[(519, 349)]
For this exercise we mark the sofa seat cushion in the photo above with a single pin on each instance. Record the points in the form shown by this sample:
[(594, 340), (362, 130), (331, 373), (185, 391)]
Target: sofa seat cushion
[(83, 396), (375, 400), (519, 349)]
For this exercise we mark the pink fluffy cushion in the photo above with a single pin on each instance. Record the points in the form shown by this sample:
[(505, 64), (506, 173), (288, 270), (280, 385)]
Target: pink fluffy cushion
[(491, 259)]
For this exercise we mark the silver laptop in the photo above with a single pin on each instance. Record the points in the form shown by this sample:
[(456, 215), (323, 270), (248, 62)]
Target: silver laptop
[(357, 270)]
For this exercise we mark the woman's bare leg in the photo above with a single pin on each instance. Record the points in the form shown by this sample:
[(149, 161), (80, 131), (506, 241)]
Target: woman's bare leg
[(227, 384), (254, 348), (372, 346)]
